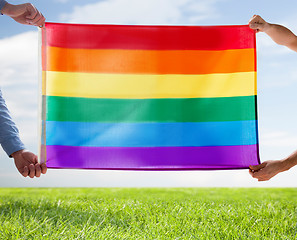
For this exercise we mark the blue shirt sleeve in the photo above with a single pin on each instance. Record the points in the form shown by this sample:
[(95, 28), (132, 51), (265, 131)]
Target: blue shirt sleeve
[(9, 134), (2, 3)]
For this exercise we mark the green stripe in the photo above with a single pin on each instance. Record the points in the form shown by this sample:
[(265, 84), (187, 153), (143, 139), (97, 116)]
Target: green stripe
[(151, 110)]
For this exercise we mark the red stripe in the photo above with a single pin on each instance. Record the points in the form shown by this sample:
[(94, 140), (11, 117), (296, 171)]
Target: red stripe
[(149, 37)]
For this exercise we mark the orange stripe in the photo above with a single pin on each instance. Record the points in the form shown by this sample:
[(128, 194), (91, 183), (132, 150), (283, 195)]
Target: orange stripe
[(150, 61)]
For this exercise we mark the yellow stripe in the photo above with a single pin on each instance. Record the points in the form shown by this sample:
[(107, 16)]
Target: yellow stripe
[(92, 85), (43, 82)]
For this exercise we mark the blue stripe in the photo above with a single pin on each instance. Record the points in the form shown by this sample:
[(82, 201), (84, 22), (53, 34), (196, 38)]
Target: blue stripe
[(90, 134)]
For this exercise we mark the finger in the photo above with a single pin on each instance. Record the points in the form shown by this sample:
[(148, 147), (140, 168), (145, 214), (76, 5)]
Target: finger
[(255, 18), (252, 18), (253, 175), (256, 25), (40, 22), (34, 20), (31, 171), (262, 179), (37, 170), (32, 11), (262, 175), (257, 167), (43, 168), (35, 160), (25, 171)]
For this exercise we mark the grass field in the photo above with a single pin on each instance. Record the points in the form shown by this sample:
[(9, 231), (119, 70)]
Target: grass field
[(125, 213)]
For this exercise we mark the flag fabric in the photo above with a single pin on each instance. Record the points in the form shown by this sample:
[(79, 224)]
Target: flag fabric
[(148, 97)]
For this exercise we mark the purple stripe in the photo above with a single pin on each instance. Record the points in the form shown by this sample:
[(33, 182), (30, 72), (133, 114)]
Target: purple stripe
[(154, 158)]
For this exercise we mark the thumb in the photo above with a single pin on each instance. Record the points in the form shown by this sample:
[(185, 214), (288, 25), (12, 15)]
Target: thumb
[(258, 167), (256, 26), (25, 171)]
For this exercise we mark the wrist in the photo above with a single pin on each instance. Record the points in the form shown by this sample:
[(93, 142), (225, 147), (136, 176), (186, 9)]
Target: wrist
[(288, 163), (17, 153), (266, 27), (7, 9)]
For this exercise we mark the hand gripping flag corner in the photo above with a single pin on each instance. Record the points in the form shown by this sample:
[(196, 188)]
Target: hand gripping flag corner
[(148, 97)]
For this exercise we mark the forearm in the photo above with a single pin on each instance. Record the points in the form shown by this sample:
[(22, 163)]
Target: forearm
[(281, 35), (290, 161)]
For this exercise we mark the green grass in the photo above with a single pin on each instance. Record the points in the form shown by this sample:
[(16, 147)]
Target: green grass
[(119, 213)]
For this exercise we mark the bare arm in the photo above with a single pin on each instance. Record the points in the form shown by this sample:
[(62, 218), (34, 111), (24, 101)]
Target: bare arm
[(278, 33), (283, 36)]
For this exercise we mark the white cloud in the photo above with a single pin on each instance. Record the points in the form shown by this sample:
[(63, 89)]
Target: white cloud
[(143, 12), (19, 49), (279, 139), (19, 81)]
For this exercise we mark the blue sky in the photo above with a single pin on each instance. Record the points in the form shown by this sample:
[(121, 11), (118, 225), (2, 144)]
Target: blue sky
[(277, 84)]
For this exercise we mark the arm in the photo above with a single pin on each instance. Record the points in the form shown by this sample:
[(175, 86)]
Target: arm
[(23, 13), (269, 169), (283, 36), (280, 34), (25, 161)]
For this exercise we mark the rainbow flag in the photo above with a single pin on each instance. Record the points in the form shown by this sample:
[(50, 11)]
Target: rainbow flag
[(148, 97)]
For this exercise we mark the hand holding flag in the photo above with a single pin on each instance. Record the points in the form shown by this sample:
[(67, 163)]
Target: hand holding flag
[(24, 13), (27, 164)]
